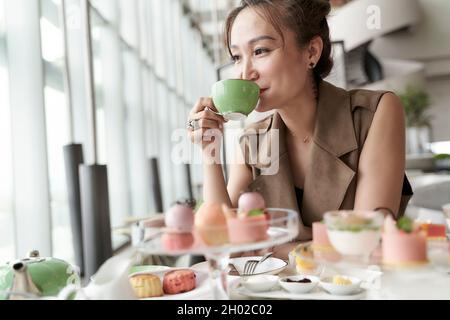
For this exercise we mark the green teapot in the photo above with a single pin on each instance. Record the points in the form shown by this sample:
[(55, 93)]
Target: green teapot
[(36, 277)]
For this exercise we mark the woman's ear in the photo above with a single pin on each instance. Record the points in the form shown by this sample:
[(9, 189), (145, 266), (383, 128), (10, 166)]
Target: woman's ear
[(315, 49)]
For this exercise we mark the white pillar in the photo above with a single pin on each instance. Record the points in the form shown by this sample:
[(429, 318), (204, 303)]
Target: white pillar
[(178, 46), (118, 182), (26, 74), (140, 186), (159, 41), (164, 133), (139, 182), (77, 82)]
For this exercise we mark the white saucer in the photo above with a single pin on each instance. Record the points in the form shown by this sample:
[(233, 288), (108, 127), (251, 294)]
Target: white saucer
[(270, 266), (234, 116), (236, 290)]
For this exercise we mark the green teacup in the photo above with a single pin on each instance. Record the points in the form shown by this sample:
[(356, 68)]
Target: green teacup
[(234, 98)]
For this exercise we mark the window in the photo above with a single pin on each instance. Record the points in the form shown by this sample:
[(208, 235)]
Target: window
[(98, 27), (7, 249), (110, 111), (147, 74), (56, 118)]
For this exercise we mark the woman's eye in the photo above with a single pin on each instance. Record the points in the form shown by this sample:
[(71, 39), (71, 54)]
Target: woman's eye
[(261, 51), (235, 58)]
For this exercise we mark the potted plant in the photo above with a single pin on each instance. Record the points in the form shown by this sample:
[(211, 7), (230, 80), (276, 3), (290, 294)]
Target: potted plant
[(416, 102), (442, 161)]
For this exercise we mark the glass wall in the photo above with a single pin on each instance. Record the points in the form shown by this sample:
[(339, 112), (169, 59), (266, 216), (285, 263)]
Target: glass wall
[(149, 68), (6, 180), (57, 128)]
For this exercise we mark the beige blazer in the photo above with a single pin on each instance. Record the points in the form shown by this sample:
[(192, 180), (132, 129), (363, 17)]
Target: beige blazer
[(342, 123)]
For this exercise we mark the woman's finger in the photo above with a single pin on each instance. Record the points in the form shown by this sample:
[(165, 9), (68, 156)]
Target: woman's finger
[(205, 135), (206, 124), (201, 105), (206, 114), (209, 124)]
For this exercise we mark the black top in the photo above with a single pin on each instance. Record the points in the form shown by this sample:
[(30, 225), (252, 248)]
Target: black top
[(299, 194)]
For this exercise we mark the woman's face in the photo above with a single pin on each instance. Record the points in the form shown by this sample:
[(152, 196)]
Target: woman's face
[(259, 55)]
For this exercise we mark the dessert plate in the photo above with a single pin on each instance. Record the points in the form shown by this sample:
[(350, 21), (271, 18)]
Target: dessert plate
[(201, 290), (147, 269), (270, 266), (279, 293)]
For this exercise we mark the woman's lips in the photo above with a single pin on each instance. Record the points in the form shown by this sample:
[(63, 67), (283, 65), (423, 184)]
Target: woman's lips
[(261, 92)]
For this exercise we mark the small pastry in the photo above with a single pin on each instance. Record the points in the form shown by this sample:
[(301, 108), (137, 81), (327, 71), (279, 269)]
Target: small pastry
[(179, 281), (179, 218), (146, 285), (211, 224), (251, 223), (177, 241), (341, 281)]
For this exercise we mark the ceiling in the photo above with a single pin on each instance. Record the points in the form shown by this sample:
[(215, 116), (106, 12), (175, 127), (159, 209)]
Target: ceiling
[(208, 16)]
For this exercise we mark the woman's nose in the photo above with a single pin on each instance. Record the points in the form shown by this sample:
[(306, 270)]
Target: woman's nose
[(249, 72)]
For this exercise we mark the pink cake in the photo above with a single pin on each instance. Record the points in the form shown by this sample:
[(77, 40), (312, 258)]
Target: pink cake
[(179, 218), (247, 230), (250, 223), (211, 224), (403, 247), (177, 241)]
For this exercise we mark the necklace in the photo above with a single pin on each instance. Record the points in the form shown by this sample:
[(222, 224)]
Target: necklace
[(306, 139)]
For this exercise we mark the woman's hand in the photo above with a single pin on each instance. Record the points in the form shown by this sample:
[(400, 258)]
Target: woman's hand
[(205, 127)]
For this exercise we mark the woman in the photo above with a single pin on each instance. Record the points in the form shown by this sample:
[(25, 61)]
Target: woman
[(337, 149)]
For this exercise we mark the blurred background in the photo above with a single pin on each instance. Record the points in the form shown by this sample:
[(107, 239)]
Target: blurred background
[(150, 60)]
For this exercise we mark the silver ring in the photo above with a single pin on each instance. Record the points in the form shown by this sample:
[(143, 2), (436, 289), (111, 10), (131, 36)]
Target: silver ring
[(193, 124)]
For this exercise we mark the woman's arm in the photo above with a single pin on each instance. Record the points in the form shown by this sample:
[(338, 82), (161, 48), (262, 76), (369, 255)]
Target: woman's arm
[(215, 189), (240, 177), (207, 133), (382, 161)]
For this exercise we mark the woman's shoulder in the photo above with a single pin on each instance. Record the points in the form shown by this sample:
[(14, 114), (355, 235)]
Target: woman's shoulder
[(359, 99), (367, 99)]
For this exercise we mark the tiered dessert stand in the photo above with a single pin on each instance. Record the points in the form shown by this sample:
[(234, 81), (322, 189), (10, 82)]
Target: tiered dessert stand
[(283, 227)]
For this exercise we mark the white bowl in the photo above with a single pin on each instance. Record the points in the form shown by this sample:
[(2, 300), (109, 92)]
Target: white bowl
[(270, 266), (354, 232), (260, 283), (337, 289), (354, 243), (297, 287)]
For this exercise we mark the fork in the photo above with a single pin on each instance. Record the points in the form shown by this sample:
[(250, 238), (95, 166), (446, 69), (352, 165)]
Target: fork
[(250, 265)]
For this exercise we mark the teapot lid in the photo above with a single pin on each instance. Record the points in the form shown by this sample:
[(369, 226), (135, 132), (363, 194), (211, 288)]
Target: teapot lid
[(34, 254)]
